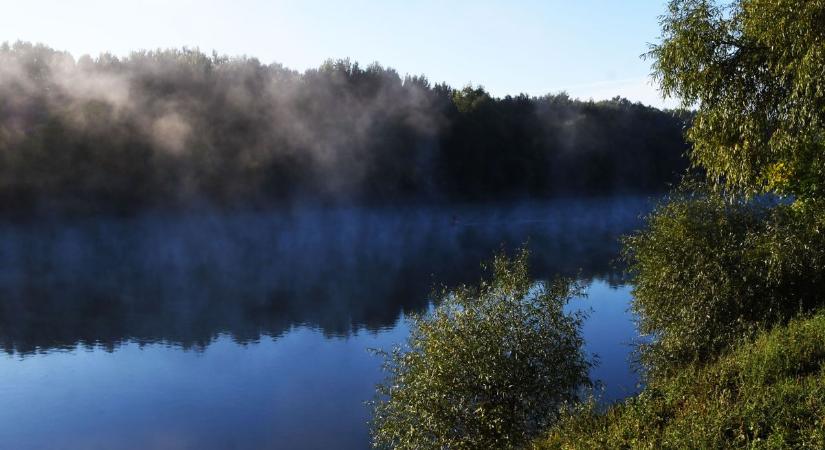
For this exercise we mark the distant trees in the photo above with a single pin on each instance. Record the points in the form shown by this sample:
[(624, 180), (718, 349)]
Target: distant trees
[(169, 127)]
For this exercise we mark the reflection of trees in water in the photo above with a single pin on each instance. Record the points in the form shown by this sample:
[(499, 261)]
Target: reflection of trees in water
[(187, 279)]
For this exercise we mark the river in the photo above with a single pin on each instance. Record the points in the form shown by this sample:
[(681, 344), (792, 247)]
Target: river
[(250, 330)]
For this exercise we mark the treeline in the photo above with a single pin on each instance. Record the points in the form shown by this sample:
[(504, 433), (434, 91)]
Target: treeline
[(177, 127)]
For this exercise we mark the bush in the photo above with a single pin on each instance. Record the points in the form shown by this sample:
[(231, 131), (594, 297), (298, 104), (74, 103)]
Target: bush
[(489, 367), (768, 393), (710, 270)]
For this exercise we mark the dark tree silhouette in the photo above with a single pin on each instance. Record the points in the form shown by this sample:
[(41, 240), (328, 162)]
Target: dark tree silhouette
[(171, 128)]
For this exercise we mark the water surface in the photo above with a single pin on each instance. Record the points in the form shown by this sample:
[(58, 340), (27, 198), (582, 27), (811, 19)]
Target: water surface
[(250, 330)]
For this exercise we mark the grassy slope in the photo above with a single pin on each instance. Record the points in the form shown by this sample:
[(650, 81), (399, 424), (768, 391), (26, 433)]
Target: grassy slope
[(767, 394)]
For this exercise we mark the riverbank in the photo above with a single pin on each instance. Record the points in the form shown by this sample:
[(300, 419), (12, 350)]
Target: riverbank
[(767, 393)]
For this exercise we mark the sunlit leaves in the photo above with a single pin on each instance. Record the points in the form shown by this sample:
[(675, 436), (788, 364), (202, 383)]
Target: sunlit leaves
[(711, 270), (489, 367), (767, 393), (754, 69)]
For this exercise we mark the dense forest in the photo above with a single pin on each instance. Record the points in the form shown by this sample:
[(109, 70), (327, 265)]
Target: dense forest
[(168, 128)]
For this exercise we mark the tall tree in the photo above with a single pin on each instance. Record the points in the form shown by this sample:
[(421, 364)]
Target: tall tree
[(754, 70)]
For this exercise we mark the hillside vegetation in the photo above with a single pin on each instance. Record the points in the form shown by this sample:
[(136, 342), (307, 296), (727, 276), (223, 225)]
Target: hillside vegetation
[(769, 393), (728, 271)]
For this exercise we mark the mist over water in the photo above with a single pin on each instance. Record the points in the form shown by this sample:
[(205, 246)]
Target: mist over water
[(184, 279), (250, 329), (169, 129)]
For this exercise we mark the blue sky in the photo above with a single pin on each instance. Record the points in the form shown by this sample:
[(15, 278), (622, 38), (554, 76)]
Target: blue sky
[(589, 48)]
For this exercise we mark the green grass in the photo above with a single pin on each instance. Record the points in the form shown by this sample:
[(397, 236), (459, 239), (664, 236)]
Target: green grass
[(769, 393)]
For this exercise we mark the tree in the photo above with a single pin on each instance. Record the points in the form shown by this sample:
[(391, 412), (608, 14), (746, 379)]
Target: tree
[(754, 70), (711, 270), (717, 263), (489, 367), (172, 128)]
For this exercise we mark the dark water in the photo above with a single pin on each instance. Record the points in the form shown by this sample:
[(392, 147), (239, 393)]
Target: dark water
[(251, 330)]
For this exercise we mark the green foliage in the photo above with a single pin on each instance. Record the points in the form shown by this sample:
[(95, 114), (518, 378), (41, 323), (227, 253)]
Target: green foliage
[(717, 265), (754, 69), (172, 128), (769, 393), (469, 99), (710, 270), (489, 367)]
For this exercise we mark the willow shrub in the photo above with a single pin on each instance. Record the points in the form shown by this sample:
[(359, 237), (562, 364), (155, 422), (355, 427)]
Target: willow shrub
[(753, 71), (709, 271), (490, 367)]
